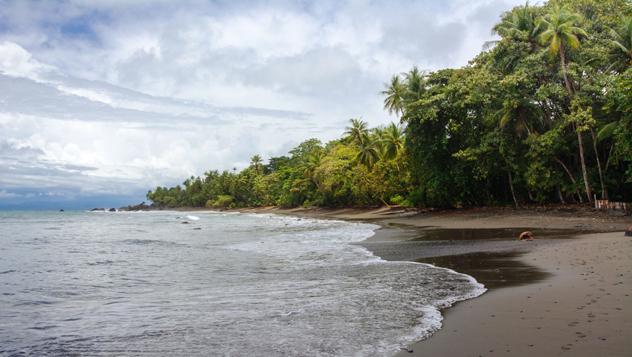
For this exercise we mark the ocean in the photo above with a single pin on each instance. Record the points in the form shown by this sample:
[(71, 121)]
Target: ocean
[(224, 284)]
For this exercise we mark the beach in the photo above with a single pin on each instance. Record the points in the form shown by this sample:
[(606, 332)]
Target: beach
[(565, 293)]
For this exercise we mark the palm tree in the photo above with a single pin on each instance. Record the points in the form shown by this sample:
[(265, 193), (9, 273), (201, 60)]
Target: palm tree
[(368, 153), (311, 163), (521, 112), (394, 96), (356, 130), (521, 24), (559, 34), (378, 135), (393, 141), (256, 162), (622, 38), (414, 80)]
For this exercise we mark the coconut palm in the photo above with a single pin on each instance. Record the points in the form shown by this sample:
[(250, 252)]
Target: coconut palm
[(378, 135), (622, 38), (394, 96), (393, 141), (520, 23), (561, 33), (368, 153), (356, 130), (256, 163), (414, 80), (521, 113)]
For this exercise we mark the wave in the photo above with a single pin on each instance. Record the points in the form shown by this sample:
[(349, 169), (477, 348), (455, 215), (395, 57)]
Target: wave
[(327, 245), (151, 242)]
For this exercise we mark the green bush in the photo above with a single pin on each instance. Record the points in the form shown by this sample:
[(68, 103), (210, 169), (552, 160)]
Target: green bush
[(397, 200), (222, 201)]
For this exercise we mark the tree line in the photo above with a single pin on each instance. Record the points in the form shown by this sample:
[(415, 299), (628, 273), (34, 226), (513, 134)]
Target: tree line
[(544, 114)]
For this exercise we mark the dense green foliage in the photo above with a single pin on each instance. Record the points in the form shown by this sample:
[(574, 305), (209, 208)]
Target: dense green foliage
[(366, 167), (543, 115)]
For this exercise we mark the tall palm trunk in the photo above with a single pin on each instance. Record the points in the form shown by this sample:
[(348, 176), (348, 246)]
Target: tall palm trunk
[(580, 141), (511, 187), (604, 190), (567, 82)]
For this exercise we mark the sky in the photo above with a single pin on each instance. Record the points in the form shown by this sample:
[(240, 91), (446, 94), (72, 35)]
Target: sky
[(101, 101)]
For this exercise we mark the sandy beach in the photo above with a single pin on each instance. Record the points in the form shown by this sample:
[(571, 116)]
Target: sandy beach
[(565, 293), (582, 309)]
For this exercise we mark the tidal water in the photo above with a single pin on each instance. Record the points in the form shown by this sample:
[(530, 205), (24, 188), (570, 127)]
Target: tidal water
[(144, 283)]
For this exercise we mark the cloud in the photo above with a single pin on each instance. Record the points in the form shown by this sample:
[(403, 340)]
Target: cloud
[(16, 61), (114, 97)]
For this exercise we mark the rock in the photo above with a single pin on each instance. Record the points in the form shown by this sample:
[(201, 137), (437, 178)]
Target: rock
[(139, 207), (197, 229), (185, 222), (97, 209), (526, 235), (112, 210), (61, 210)]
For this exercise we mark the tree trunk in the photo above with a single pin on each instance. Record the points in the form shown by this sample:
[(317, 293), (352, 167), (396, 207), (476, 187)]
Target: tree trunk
[(604, 190), (608, 159), (580, 140), (571, 177), (567, 82), (511, 186), (559, 194)]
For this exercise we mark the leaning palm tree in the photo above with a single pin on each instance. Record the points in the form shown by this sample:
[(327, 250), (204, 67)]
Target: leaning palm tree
[(356, 130), (561, 33), (394, 96), (368, 153), (622, 38)]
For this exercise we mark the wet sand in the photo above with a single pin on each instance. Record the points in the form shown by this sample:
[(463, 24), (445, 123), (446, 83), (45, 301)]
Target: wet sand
[(569, 292), (583, 308)]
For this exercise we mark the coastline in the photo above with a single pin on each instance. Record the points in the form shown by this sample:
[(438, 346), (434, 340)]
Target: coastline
[(582, 308), (566, 293)]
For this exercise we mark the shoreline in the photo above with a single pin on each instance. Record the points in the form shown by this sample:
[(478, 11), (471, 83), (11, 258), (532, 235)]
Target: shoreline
[(566, 293)]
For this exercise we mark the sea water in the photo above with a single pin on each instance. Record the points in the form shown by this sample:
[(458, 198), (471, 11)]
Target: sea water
[(145, 283)]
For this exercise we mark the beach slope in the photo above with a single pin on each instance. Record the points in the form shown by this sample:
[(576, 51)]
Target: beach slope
[(584, 309)]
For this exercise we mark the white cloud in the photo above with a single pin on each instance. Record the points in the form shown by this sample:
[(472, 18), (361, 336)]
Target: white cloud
[(144, 93), (16, 61)]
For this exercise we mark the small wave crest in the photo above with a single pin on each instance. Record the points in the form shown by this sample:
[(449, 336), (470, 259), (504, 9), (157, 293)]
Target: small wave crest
[(152, 242)]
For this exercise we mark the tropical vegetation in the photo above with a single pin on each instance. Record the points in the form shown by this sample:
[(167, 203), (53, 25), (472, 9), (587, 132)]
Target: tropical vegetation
[(543, 114)]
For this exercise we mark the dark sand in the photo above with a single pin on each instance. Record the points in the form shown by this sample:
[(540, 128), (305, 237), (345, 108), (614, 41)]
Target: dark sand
[(581, 307), (569, 292)]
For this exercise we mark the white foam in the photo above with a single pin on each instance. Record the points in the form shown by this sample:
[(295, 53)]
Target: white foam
[(307, 272), (331, 239)]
